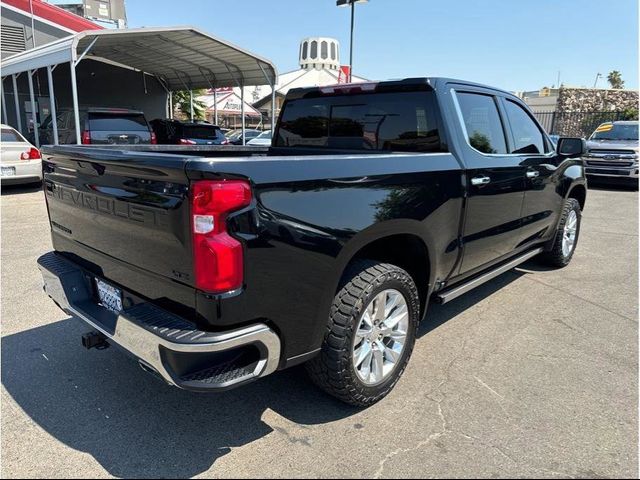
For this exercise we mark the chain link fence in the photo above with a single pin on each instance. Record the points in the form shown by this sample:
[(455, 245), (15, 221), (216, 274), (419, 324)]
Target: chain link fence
[(576, 124)]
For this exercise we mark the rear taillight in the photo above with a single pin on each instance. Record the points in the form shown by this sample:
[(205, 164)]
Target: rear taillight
[(225, 142), (217, 257), (32, 154), (86, 137), (184, 141), (154, 140)]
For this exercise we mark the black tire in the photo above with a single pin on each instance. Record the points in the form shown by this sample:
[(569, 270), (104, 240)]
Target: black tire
[(333, 369), (556, 257)]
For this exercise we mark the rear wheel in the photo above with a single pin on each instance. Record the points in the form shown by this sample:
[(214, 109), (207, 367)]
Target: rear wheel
[(566, 239), (370, 334)]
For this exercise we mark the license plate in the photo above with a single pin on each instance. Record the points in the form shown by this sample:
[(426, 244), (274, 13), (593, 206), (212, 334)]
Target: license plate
[(110, 297), (8, 171)]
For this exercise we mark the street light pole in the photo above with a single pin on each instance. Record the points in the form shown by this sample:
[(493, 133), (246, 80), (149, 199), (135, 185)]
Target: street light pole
[(353, 11), (598, 75), (352, 4)]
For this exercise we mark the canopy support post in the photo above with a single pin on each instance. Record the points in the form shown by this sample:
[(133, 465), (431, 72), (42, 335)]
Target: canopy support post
[(273, 110), (170, 115), (215, 106), (86, 50), (16, 101), (5, 118), (34, 114), (244, 140), (52, 101), (191, 103), (272, 83), (76, 108)]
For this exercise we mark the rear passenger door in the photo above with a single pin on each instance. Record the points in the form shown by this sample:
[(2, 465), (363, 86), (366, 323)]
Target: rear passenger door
[(542, 203), (495, 179)]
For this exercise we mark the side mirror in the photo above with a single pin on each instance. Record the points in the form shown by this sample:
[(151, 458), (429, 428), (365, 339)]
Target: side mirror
[(571, 147)]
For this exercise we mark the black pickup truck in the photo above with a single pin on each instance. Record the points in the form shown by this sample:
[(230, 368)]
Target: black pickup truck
[(214, 266)]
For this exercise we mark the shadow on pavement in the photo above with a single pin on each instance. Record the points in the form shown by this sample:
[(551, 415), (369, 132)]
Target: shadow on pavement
[(438, 315), (20, 189), (101, 403)]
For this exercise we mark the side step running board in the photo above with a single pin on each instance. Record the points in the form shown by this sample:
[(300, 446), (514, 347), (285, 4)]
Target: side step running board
[(449, 294)]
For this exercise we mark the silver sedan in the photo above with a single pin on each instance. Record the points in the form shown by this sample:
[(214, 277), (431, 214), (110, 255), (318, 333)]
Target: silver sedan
[(20, 162)]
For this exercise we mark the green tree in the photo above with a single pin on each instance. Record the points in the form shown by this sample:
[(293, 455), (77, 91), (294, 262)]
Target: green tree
[(182, 104), (630, 113), (615, 79)]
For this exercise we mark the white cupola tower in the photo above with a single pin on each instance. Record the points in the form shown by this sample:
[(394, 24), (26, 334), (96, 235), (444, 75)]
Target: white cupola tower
[(319, 53)]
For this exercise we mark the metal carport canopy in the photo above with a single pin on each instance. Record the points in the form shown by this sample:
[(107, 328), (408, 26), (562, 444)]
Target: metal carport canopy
[(183, 58)]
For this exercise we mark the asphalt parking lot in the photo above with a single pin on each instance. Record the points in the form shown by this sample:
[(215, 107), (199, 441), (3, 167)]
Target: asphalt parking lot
[(532, 375)]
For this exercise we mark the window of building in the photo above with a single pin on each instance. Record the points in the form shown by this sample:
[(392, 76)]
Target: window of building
[(324, 50), (314, 49)]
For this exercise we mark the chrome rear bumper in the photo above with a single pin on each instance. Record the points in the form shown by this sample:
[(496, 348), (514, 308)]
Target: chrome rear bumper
[(163, 342)]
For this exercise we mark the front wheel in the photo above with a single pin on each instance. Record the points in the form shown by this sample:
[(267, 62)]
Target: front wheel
[(370, 334), (566, 240)]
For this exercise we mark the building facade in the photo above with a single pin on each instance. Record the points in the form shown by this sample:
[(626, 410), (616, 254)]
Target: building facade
[(319, 61), (26, 24)]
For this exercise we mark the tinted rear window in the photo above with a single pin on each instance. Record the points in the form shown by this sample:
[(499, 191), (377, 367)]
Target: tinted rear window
[(9, 135), (398, 121), (117, 122), (202, 132)]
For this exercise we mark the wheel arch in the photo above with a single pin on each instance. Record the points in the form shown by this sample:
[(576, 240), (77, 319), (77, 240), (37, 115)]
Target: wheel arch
[(399, 243), (578, 192)]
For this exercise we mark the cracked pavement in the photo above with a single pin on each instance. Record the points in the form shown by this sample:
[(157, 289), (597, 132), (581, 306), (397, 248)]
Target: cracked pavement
[(534, 374)]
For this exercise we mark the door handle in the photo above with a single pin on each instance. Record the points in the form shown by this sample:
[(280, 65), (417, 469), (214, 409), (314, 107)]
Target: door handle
[(480, 180), (533, 173)]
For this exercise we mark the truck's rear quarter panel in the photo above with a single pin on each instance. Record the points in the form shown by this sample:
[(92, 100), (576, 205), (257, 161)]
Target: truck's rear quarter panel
[(312, 214)]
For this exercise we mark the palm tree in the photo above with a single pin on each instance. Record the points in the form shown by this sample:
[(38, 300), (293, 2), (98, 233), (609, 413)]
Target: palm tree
[(182, 104), (615, 79)]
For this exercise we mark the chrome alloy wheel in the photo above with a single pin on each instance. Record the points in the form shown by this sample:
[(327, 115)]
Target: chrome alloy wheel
[(569, 233), (380, 337)]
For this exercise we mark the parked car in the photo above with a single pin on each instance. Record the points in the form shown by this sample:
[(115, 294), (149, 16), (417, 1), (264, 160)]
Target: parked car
[(20, 162), (264, 139), (612, 152), (375, 199), (175, 132), (99, 126), (235, 136)]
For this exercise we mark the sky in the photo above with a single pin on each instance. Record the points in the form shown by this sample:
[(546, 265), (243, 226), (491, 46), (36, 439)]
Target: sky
[(516, 45)]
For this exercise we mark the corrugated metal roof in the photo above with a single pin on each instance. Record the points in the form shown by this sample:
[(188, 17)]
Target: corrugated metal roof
[(183, 57)]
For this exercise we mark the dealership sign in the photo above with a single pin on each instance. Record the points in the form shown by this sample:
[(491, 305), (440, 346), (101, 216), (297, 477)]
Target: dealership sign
[(228, 103)]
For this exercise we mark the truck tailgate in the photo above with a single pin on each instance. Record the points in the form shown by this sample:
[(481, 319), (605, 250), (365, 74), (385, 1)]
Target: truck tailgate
[(124, 216)]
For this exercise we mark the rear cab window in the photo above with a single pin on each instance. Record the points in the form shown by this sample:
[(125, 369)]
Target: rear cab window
[(482, 122), (203, 132), (381, 121), (107, 121)]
